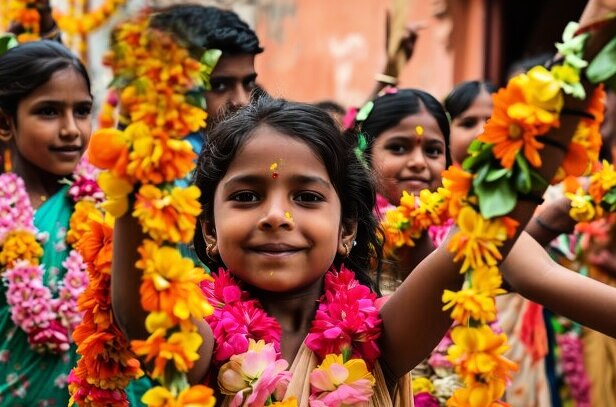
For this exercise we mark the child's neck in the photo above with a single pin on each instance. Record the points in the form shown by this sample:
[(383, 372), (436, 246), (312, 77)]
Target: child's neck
[(294, 312), (40, 185)]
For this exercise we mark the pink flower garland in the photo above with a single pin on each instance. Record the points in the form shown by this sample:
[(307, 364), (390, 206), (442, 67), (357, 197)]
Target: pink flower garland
[(48, 322), (347, 322)]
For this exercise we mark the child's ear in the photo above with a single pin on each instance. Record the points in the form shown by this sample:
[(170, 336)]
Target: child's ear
[(346, 241), (209, 235), (6, 131)]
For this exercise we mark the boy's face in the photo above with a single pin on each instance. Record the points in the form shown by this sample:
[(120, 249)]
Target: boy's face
[(232, 80)]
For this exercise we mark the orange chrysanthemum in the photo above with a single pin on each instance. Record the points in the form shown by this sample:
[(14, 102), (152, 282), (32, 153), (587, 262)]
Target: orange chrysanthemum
[(109, 150), (514, 126), (79, 221)]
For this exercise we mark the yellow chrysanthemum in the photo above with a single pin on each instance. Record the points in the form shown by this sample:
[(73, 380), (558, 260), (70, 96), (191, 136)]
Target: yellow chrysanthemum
[(20, 245), (479, 395), (171, 283), (469, 304), (582, 208), (487, 280), (198, 395), (478, 240), (479, 351), (180, 348)]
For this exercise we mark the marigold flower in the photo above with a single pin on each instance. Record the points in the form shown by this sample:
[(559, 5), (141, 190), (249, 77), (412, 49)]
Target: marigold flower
[(108, 150), (179, 347), (422, 385), (479, 395), (515, 124), (541, 89), (478, 240), (20, 245), (602, 181), (168, 215), (116, 190), (171, 283), (79, 220)]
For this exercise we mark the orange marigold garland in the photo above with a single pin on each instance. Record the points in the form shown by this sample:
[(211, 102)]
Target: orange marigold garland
[(160, 88), (499, 170)]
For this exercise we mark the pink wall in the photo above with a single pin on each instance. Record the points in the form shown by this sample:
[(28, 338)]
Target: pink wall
[(331, 49)]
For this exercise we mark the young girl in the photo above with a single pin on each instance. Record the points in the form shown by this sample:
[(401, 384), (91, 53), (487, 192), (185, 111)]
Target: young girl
[(406, 134), (45, 126), (282, 231), (469, 106)]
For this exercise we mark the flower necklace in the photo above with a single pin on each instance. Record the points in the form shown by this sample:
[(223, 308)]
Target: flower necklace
[(47, 321), (343, 335)]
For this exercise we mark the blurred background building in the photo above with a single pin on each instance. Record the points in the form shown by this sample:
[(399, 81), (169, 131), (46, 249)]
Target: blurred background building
[(331, 49)]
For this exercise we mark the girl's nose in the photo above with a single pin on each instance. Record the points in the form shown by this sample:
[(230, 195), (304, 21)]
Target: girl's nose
[(416, 160), (69, 128), (275, 217)]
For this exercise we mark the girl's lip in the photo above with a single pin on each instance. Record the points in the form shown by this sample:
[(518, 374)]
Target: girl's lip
[(275, 249)]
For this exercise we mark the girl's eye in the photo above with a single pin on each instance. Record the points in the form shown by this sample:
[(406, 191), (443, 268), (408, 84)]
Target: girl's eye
[(245, 197), (468, 123), (396, 149), (434, 151), (83, 111), (47, 111), (308, 197)]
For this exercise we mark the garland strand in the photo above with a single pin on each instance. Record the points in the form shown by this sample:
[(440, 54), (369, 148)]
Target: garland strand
[(160, 88)]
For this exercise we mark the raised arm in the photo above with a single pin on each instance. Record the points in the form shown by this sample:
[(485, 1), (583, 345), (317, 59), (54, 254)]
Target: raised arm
[(533, 274), (413, 318), (125, 296)]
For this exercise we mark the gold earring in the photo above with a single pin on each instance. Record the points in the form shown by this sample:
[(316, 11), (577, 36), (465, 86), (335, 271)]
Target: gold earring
[(209, 248), (346, 248)]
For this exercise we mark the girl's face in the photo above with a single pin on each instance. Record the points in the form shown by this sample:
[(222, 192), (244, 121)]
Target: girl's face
[(409, 156), (276, 214), (468, 125), (53, 124)]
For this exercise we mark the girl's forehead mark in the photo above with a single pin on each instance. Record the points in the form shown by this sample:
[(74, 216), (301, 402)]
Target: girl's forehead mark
[(275, 167), (288, 215), (419, 130)]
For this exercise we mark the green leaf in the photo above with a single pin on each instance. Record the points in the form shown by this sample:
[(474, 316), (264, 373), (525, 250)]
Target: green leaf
[(496, 198), (523, 180), (210, 58), (484, 154), (609, 200), (496, 174), (481, 174), (538, 182), (7, 41), (603, 66)]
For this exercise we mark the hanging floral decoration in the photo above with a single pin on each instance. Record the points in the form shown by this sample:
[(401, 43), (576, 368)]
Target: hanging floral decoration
[(160, 90), (343, 336), (77, 22), (502, 163), (47, 320), (24, 12)]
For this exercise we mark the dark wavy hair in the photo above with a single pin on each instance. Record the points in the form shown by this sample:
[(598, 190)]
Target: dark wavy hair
[(30, 65), (313, 126), (208, 27), (389, 109), (463, 95)]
